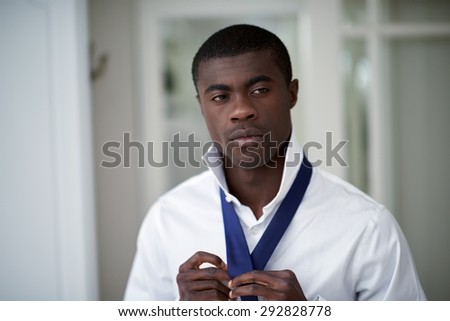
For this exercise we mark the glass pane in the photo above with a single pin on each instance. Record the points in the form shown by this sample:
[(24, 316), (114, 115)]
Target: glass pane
[(416, 10), (356, 79), (181, 39), (419, 76), (354, 11)]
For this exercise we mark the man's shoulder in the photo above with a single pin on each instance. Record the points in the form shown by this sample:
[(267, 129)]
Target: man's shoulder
[(346, 208), (197, 193), (341, 193), (196, 182), (197, 187)]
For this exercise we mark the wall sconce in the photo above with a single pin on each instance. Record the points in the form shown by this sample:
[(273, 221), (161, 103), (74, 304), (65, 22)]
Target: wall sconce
[(98, 66)]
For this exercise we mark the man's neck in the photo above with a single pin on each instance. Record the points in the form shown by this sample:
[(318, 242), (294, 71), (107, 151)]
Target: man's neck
[(255, 187)]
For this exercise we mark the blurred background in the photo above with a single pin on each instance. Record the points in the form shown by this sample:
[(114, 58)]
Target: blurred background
[(76, 74)]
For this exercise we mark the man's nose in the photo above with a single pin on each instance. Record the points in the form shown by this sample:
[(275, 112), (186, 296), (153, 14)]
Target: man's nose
[(243, 109)]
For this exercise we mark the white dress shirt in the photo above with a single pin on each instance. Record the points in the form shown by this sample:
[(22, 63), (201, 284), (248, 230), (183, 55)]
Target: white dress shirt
[(341, 244)]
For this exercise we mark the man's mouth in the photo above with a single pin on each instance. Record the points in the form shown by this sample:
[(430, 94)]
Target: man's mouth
[(247, 136)]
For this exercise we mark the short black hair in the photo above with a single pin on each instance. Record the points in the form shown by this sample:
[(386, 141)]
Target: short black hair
[(240, 39)]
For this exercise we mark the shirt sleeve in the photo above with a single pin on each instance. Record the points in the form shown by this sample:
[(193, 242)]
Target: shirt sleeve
[(384, 268), (149, 279)]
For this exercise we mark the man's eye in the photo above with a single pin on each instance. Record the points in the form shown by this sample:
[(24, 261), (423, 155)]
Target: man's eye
[(219, 98), (261, 91)]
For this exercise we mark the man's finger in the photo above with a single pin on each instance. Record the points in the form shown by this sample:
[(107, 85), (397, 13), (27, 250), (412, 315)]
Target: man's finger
[(203, 285), (252, 289), (264, 278), (207, 295), (272, 285), (204, 274), (201, 257)]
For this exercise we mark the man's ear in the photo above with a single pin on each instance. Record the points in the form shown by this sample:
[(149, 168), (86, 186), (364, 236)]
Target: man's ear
[(293, 91)]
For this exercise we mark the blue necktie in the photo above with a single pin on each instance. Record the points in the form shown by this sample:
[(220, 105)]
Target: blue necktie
[(239, 259)]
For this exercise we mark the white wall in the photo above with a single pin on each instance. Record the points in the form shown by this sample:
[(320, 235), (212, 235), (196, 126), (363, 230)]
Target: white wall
[(118, 220), (421, 110), (47, 221)]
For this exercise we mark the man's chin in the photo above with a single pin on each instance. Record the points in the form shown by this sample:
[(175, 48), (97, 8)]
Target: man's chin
[(249, 165), (249, 161)]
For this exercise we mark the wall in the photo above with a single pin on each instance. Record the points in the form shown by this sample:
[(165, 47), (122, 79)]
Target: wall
[(118, 223), (421, 113), (47, 218)]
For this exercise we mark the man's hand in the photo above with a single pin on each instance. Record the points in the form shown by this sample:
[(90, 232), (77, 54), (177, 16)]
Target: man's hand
[(272, 285), (203, 284)]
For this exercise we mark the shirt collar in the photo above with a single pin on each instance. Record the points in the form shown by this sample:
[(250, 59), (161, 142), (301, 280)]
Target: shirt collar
[(294, 158)]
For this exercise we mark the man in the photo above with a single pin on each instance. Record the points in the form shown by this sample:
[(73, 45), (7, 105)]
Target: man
[(261, 222)]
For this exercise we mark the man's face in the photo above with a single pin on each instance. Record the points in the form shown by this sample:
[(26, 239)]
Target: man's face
[(246, 105)]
